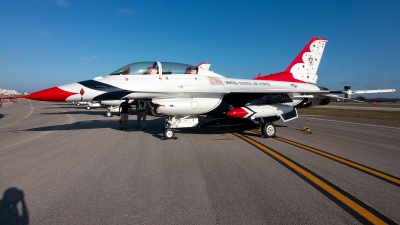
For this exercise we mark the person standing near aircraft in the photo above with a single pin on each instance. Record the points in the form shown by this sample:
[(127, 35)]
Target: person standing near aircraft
[(141, 113), (123, 112)]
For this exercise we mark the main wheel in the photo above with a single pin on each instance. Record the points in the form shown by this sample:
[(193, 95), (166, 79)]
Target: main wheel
[(169, 133), (268, 129)]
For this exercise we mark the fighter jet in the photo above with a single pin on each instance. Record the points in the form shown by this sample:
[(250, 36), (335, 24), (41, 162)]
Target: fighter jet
[(182, 92)]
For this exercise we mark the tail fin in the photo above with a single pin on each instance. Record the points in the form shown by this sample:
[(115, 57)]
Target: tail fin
[(304, 67)]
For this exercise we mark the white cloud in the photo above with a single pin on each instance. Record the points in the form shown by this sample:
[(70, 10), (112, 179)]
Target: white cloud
[(62, 3), (2, 61), (90, 59)]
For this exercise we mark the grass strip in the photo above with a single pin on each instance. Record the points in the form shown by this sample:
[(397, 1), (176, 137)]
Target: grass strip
[(363, 114), (366, 105)]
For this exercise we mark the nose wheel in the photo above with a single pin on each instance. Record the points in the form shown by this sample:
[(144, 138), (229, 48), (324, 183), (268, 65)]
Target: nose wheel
[(169, 133), (268, 129)]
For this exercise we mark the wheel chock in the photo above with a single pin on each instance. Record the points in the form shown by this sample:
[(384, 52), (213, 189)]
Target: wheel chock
[(307, 130)]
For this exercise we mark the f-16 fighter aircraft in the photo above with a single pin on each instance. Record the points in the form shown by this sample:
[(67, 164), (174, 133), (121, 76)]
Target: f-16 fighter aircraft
[(182, 92)]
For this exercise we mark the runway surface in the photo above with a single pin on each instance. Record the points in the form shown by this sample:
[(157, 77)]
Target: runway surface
[(63, 164)]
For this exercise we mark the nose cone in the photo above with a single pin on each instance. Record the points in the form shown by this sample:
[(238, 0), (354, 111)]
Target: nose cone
[(54, 94)]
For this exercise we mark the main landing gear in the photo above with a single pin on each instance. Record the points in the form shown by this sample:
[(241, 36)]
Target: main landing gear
[(268, 130)]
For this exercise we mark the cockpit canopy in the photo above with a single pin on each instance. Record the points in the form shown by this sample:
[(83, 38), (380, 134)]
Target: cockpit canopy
[(149, 68)]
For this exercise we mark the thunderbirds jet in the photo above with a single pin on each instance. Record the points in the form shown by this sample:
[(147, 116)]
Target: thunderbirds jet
[(182, 92)]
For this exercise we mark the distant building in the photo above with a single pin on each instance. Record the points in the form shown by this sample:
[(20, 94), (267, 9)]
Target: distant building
[(8, 92)]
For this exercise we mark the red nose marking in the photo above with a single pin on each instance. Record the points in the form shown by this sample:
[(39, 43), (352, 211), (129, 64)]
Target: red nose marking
[(237, 113), (54, 94)]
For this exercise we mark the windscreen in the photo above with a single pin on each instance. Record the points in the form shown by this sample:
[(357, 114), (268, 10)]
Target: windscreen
[(138, 68)]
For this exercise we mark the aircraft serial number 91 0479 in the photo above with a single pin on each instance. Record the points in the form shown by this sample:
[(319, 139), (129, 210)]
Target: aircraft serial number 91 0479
[(182, 92)]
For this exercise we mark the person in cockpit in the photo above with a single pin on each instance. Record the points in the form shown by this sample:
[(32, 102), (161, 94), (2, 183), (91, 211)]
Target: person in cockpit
[(191, 70), (151, 70)]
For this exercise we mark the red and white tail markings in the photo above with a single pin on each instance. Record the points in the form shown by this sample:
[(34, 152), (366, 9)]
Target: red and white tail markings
[(304, 67)]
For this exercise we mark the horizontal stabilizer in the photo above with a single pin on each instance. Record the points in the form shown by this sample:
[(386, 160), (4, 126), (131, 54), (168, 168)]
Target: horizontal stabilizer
[(368, 91)]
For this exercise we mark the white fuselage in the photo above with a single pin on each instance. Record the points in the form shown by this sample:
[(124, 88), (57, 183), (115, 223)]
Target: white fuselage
[(178, 94)]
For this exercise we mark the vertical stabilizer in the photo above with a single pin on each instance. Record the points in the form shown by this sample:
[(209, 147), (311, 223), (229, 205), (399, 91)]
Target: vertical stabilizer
[(304, 67)]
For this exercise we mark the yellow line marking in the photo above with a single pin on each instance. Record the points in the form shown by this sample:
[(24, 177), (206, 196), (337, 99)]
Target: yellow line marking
[(342, 160), (363, 124), (353, 205)]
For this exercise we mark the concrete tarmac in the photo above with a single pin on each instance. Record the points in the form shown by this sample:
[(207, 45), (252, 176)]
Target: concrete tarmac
[(63, 164)]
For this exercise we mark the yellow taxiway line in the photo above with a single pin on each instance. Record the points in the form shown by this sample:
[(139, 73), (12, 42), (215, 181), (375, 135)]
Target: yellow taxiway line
[(326, 187), (344, 161)]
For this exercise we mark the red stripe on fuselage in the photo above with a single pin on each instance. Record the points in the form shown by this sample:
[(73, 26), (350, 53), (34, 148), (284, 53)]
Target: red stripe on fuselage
[(54, 94)]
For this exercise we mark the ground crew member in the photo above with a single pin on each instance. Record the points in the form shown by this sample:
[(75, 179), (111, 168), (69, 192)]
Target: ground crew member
[(123, 112), (141, 112)]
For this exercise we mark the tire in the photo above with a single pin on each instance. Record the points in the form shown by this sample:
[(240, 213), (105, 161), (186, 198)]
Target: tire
[(169, 133), (108, 114), (268, 129), (88, 107)]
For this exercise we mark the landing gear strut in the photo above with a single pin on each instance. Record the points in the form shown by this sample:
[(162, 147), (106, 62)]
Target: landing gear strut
[(112, 109), (268, 129), (172, 122)]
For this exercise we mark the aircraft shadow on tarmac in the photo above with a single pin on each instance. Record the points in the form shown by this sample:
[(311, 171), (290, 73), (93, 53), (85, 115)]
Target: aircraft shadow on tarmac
[(1, 116), (80, 125), (155, 127), (88, 112), (13, 209)]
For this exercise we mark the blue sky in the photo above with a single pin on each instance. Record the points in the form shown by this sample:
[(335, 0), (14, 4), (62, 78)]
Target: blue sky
[(46, 43)]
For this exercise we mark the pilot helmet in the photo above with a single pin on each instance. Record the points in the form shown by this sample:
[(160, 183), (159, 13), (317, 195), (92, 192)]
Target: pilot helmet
[(151, 70), (191, 70)]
